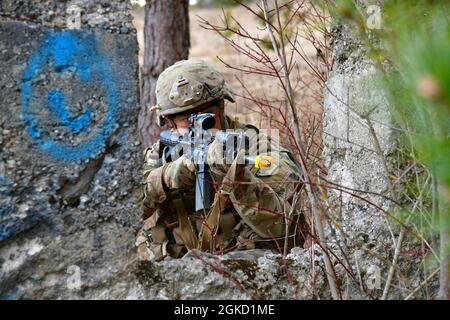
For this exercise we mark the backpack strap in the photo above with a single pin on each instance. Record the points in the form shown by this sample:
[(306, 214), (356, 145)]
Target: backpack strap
[(210, 225), (187, 233)]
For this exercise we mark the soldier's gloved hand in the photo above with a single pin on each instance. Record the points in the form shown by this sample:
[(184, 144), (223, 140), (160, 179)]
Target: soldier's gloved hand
[(215, 158), (179, 174)]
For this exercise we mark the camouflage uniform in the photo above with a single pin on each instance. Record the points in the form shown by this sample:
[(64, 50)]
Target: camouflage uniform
[(244, 215)]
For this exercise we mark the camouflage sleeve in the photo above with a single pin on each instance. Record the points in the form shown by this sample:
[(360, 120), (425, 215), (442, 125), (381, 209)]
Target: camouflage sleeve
[(283, 176), (153, 185)]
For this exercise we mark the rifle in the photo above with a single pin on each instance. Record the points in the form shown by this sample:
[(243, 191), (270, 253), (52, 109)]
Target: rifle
[(194, 145)]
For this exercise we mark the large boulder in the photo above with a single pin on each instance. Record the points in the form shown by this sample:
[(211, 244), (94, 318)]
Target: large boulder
[(70, 156)]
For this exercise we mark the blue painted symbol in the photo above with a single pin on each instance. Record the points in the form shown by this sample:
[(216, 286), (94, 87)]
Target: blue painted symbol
[(76, 52), (60, 109)]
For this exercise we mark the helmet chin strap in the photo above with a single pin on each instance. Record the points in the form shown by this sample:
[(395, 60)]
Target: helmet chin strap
[(173, 124), (222, 114)]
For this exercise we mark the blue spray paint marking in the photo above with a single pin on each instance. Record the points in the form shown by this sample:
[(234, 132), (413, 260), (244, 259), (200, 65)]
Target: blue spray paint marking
[(63, 114), (74, 52), (70, 51)]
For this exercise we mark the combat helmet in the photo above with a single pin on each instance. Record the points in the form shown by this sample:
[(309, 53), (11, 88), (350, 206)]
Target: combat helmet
[(188, 84)]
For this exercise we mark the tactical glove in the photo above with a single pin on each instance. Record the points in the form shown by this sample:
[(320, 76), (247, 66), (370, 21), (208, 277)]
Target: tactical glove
[(215, 159), (179, 174)]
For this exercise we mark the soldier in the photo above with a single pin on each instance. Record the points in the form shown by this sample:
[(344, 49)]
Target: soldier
[(252, 208)]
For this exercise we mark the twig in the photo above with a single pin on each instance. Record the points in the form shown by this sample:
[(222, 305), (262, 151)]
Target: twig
[(394, 263), (359, 274), (285, 81), (435, 272)]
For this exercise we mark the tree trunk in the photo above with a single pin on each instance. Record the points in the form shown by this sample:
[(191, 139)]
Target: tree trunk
[(166, 39)]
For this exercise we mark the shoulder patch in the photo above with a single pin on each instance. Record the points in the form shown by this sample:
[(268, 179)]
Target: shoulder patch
[(265, 172)]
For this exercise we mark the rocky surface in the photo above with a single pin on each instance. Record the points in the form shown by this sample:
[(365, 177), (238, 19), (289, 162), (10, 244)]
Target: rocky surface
[(357, 142), (359, 153), (358, 138), (69, 152), (110, 16), (251, 274)]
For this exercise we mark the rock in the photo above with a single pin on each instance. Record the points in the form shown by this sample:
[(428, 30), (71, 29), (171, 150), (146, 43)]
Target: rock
[(50, 218), (251, 255), (11, 164), (353, 162), (84, 199), (108, 160), (235, 275)]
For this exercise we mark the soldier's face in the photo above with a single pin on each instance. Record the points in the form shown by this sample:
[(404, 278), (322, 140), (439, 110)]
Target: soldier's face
[(180, 123)]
